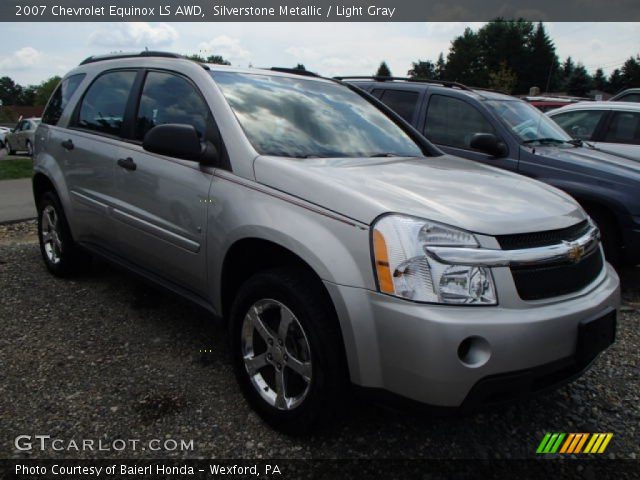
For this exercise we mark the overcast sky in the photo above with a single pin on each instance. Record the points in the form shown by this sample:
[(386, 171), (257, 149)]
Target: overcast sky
[(30, 53)]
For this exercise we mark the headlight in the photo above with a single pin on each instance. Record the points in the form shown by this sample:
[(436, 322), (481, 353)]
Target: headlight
[(404, 270)]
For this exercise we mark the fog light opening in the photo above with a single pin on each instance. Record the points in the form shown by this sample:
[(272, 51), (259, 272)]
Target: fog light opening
[(474, 352)]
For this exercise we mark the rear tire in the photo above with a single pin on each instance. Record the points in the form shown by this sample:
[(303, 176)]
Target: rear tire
[(298, 379), (61, 255)]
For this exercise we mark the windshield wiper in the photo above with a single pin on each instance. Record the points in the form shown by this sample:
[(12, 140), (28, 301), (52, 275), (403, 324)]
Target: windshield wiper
[(544, 140)]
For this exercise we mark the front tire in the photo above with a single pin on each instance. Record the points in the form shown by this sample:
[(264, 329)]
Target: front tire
[(287, 350), (29, 149), (61, 255), (10, 149)]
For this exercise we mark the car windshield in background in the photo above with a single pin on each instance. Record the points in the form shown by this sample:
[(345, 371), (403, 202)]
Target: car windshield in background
[(528, 123), (297, 117)]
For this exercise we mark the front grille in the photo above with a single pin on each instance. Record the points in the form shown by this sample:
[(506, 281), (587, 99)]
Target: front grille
[(540, 239), (538, 282)]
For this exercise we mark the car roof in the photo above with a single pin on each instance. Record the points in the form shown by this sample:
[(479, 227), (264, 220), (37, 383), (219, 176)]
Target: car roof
[(132, 59), (620, 106), (477, 93)]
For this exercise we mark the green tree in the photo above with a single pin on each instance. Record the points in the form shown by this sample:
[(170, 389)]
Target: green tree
[(300, 66), (423, 70), (217, 59), (10, 91), (616, 82), (543, 68), (383, 70), (441, 67), (580, 82), (28, 95), (631, 72), (506, 41), (503, 80), (600, 81), (45, 89), (464, 62)]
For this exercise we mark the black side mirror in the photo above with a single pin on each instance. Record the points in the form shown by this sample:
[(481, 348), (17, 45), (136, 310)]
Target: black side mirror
[(488, 143), (180, 141)]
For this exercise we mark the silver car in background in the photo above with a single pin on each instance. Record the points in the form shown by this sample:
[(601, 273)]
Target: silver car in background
[(339, 246), (613, 127), (22, 137)]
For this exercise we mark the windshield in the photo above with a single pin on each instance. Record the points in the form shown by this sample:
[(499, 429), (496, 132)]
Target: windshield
[(297, 117), (527, 122)]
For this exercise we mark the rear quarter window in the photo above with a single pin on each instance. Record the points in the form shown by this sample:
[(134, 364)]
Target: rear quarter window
[(403, 102), (60, 98)]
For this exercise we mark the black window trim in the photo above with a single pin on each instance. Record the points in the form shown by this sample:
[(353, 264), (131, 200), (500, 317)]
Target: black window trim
[(472, 150)]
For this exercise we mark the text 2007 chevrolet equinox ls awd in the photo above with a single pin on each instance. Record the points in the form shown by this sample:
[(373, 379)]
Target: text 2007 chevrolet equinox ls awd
[(339, 244)]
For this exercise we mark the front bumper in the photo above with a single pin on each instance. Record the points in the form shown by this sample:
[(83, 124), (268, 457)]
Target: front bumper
[(413, 350)]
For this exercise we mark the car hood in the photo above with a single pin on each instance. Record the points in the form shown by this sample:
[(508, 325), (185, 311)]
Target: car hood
[(592, 158), (446, 189)]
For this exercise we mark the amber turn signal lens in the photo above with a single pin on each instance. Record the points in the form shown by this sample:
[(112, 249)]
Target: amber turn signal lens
[(381, 257)]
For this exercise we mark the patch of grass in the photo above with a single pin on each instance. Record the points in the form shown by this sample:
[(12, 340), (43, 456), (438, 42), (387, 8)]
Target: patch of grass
[(13, 167)]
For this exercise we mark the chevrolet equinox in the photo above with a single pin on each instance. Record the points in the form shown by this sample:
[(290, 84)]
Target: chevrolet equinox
[(340, 246)]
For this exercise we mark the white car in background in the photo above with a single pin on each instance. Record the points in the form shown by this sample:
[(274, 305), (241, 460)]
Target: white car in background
[(21, 138), (613, 127)]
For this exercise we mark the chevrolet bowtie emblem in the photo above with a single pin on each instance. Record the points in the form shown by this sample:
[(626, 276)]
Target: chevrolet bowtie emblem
[(576, 252)]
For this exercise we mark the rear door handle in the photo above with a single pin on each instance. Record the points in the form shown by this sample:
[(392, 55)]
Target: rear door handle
[(127, 163), (67, 144)]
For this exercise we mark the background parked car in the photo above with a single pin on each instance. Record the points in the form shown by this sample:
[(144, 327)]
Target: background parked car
[(628, 95), (3, 134), (21, 138), (610, 126), (509, 133)]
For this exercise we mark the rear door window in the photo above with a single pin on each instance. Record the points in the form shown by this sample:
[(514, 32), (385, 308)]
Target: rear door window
[(103, 105), (624, 127), (401, 101), (453, 122)]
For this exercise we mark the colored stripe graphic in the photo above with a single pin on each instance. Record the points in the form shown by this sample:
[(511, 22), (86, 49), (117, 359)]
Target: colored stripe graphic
[(574, 443)]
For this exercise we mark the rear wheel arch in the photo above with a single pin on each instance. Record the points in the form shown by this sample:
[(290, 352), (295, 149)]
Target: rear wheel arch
[(42, 184)]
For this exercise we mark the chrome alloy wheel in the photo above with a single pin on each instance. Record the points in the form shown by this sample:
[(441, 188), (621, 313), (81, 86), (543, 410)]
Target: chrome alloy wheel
[(276, 354), (50, 226)]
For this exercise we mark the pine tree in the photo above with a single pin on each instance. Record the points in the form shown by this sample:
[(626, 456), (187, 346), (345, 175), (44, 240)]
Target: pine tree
[(579, 83), (616, 82), (600, 81), (383, 70), (441, 67)]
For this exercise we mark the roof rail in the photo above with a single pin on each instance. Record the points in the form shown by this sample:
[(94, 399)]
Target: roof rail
[(295, 71), (114, 56), (444, 83)]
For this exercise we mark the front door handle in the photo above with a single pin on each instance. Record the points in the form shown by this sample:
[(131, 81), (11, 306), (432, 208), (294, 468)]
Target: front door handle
[(127, 163), (67, 144)]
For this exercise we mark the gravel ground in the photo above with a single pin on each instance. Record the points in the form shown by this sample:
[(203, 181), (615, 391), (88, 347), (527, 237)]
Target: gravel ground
[(104, 356)]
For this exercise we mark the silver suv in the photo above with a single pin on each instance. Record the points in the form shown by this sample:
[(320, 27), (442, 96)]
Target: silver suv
[(341, 247)]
